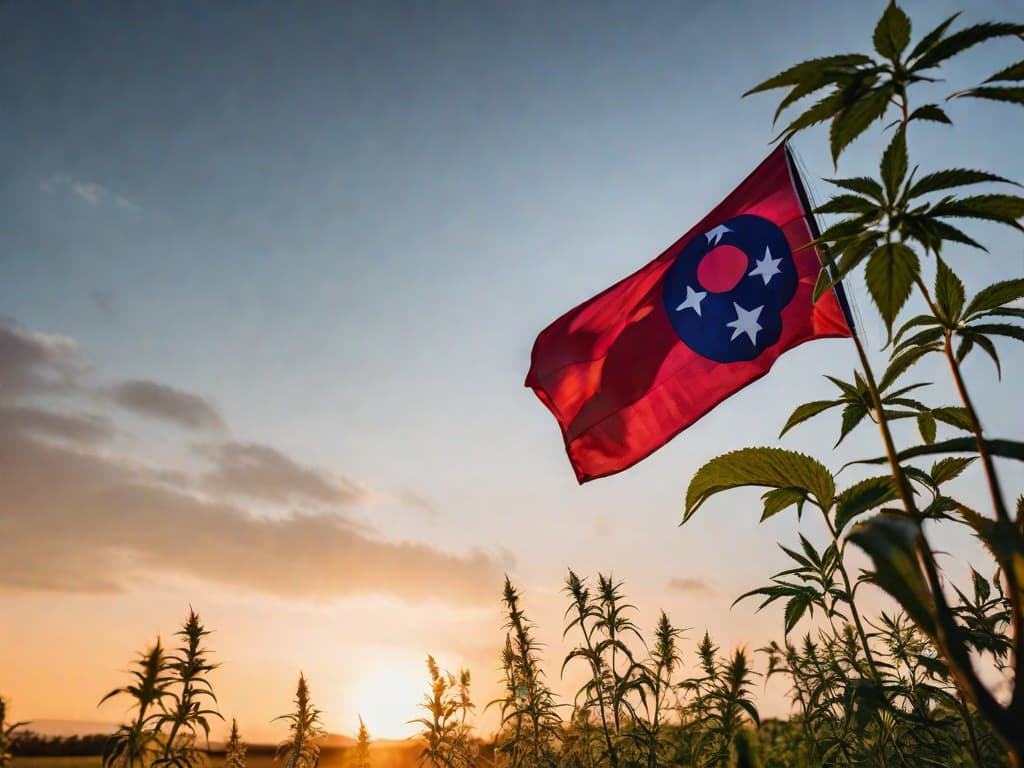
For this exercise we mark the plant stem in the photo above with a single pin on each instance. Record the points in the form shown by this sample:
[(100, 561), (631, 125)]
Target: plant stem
[(853, 606)]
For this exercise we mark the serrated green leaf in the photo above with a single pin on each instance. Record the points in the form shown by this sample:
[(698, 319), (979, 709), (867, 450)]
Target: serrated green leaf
[(925, 43), (960, 41), (950, 468), (1012, 73), (949, 294), (915, 322), (809, 69), (819, 112), (854, 119), (1009, 95), (795, 609), (863, 185), (969, 339), (953, 177), (863, 497), (932, 232), (894, 163), (981, 587), (780, 499), (1007, 449), (999, 329), (890, 275), (926, 426), (890, 541), (892, 33), (804, 88), (1005, 209), (930, 112), (927, 337), (848, 204), (850, 255), (954, 416), (902, 362), (807, 410), (995, 295), (853, 414), (766, 467)]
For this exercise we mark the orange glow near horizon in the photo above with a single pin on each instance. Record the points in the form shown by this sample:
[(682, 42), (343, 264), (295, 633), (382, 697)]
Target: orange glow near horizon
[(388, 695)]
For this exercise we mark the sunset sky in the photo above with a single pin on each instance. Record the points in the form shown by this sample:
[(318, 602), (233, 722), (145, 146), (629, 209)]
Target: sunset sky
[(269, 279)]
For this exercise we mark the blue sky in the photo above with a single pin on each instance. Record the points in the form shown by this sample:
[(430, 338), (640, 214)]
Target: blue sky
[(343, 225)]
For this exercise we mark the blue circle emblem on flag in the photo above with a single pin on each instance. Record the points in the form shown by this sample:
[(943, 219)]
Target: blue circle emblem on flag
[(725, 292)]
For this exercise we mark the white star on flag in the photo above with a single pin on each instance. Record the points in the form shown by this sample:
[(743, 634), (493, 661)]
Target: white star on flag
[(745, 322), (692, 300), (716, 234), (766, 267)]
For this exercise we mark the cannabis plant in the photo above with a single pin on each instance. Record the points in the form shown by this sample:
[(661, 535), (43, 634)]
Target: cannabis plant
[(445, 731), (137, 744), (6, 730), (234, 751), (362, 746), (530, 723), (186, 707), (891, 228), (300, 749)]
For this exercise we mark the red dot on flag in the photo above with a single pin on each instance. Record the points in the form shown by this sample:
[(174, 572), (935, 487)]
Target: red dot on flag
[(722, 268)]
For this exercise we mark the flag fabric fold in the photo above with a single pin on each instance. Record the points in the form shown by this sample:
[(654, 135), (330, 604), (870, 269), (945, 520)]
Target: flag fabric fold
[(632, 367)]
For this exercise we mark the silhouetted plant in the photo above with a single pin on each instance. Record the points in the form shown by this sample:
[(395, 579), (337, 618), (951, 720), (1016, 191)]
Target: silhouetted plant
[(137, 744), (445, 731), (362, 746), (6, 730), (718, 704), (300, 749), (530, 723), (189, 694), (235, 750)]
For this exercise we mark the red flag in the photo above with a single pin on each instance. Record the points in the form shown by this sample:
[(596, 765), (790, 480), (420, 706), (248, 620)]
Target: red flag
[(632, 367)]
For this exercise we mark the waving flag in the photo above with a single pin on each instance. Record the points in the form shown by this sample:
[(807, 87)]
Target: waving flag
[(632, 367)]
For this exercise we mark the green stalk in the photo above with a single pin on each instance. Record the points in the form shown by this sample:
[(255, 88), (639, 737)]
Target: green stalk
[(946, 630), (853, 606)]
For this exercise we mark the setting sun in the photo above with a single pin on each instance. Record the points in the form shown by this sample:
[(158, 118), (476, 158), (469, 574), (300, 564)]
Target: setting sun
[(388, 696)]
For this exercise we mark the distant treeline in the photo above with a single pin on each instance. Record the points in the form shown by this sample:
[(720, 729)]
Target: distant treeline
[(30, 744)]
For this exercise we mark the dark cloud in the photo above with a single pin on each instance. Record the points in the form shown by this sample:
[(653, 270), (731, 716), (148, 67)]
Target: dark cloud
[(75, 520), (35, 363), (690, 584), (261, 472), (159, 401), (74, 427)]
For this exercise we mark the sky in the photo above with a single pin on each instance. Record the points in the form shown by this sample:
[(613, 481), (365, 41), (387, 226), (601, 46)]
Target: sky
[(269, 280)]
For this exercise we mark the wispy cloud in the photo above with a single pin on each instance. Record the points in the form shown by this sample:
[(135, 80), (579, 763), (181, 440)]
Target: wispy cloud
[(32, 362), (77, 520), (159, 401), (691, 585), (261, 472), (77, 516), (89, 192)]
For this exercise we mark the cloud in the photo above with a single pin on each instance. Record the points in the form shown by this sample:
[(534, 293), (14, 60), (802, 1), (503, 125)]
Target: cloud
[(691, 585), (261, 472), (32, 363), (76, 516), (75, 520), (159, 401), (88, 192), (73, 427)]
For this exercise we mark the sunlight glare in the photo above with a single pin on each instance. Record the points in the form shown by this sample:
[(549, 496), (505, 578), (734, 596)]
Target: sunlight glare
[(388, 695)]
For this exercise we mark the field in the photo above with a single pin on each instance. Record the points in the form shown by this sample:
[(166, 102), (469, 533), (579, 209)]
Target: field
[(389, 756)]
